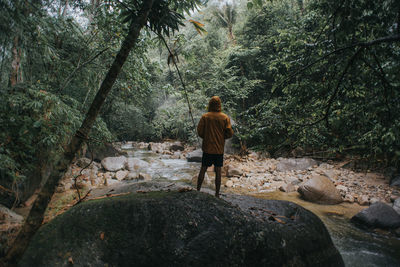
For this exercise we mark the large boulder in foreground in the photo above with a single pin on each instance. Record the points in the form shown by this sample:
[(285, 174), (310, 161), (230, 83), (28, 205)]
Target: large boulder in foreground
[(181, 229), (378, 215), (321, 190)]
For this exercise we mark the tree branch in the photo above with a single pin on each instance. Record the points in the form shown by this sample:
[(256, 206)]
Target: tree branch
[(80, 66), (386, 39), (335, 92)]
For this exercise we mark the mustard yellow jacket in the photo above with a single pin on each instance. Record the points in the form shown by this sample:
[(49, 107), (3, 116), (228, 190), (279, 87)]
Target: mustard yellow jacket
[(214, 127)]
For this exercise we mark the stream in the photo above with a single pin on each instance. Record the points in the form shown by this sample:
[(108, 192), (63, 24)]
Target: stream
[(357, 247)]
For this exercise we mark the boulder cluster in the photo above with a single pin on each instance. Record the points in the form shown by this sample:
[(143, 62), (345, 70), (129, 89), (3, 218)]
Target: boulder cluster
[(323, 183)]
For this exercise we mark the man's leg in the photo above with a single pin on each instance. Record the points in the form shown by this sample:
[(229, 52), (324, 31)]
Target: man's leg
[(200, 178), (217, 180)]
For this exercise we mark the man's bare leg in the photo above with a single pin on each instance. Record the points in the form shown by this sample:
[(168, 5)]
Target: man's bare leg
[(200, 178), (217, 180)]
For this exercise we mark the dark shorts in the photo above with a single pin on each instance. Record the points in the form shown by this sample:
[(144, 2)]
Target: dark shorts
[(210, 159)]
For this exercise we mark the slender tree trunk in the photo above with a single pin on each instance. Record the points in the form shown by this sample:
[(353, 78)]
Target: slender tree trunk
[(35, 217), (15, 64), (65, 8), (3, 56)]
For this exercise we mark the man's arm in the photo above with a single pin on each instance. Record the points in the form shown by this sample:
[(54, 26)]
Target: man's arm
[(228, 133), (200, 127)]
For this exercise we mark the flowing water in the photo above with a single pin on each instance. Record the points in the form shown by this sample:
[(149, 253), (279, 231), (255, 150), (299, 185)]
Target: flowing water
[(357, 247)]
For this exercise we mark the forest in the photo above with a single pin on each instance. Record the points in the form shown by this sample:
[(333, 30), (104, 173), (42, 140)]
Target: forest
[(298, 78)]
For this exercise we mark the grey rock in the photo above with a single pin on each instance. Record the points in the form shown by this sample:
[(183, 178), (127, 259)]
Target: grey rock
[(363, 200), (134, 164), (144, 176), (132, 176), (120, 175), (395, 181), (7, 215), (287, 188), (374, 200), (83, 162), (114, 164), (177, 146), (289, 164), (195, 156), (349, 198), (100, 152), (293, 180), (181, 229), (233, 171), (396, 205), (378, 215)]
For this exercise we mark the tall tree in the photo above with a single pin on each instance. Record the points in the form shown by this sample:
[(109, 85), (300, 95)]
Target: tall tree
[(161, 17)]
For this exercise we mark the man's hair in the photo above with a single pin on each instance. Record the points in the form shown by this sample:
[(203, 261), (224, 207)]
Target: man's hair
[(214, 104)]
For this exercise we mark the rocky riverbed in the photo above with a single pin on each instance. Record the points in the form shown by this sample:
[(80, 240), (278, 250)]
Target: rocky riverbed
[(253, 174)]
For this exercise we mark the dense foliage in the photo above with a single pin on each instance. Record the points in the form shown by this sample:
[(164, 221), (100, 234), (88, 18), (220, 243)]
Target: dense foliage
[(310, 75), (319, 76)]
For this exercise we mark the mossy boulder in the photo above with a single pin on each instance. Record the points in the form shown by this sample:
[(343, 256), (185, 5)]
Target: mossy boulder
[(182, 229)]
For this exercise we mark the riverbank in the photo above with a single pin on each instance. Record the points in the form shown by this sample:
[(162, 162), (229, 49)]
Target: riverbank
[(253, 174)]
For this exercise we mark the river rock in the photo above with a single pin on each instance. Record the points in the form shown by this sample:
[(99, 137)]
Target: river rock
[(144, 176), (342, 188), (396, 205), (232, 170), (349, 198), (395, 181), (363, 200), (177, 146), (134, 164), (180, 229), (83, 162), (100, 152), (195, 156), (374, 200), (287, 188), (9, 216), (378, 215), (289, 164), (229, 183), (132, 176), (319, 189), (120, 175), (156, 147), (114, 164), (293, 180)]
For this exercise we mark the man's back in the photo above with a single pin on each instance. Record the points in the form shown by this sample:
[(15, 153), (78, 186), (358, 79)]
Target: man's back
[(214, 128)]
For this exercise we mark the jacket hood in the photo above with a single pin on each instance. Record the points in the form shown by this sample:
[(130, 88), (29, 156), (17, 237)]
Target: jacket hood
[(215, 104)]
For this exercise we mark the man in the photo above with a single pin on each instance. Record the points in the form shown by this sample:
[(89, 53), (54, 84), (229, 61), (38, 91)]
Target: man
[(214, 127)]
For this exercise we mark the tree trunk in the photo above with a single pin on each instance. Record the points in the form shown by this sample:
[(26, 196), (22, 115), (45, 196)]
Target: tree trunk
[(65, 8), (15, 64), (35, 217)]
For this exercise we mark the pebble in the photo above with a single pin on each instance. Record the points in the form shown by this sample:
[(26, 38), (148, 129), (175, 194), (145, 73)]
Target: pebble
[(349, 198), (229, 183), (363, 200)]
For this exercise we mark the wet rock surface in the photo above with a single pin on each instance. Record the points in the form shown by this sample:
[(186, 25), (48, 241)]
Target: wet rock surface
[(114, 164), (194, 156), (378, 215), (320, 190), (139, 228)]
